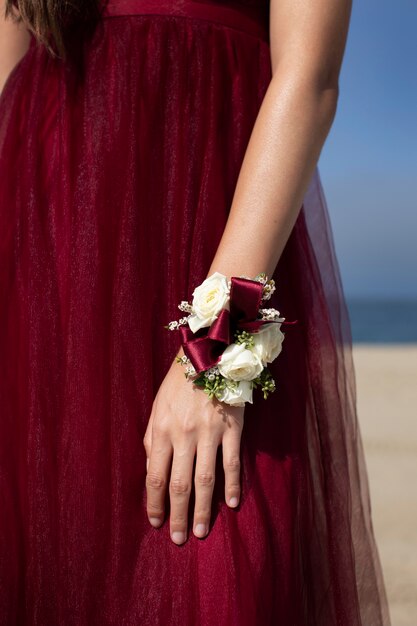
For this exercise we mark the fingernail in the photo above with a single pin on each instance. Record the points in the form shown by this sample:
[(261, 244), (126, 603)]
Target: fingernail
[(155, 521), (178, 536), (233, 501), (200, 530)]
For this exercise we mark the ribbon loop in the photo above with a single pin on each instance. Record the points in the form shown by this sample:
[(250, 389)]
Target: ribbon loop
[(205, 347), (245, 298)]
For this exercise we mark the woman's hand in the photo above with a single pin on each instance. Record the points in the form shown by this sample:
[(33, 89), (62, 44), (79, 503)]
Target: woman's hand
[(185, 421)]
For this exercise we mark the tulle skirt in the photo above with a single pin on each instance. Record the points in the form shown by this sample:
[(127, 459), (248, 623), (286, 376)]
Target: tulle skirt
[(117, 175)]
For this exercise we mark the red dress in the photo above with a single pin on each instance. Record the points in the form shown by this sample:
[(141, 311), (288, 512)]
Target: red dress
[(117, 174)]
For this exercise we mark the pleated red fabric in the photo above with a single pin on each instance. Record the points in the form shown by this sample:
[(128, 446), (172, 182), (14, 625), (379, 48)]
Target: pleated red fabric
[(116, 177)]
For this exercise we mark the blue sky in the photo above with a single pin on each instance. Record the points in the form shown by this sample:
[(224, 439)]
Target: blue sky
[(368, 164)]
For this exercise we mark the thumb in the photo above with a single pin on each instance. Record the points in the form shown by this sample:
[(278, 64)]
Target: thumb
[(147, 439)]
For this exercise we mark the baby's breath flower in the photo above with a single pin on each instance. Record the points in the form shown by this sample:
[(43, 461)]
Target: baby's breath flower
[(261, 278), (268, 285), (268, 290), (190, 370), (271, 315), (185, 306), (175, 324), (212, 371), (189, 367)]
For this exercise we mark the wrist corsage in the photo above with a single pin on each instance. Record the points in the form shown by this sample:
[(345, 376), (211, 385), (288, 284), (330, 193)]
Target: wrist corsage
[(228, 337)]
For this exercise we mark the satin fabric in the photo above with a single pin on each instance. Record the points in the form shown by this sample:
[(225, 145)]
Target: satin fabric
[(117, 172)]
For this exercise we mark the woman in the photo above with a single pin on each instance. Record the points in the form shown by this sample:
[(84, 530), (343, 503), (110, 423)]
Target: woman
[(143, 149)]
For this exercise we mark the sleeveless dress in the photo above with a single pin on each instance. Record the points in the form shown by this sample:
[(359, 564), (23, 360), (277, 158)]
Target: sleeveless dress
[(117, 172)]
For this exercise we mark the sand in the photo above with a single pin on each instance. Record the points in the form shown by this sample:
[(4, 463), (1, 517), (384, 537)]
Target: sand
[(386, 377)]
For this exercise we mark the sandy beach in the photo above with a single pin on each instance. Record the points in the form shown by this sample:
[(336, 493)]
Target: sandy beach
[(386, 377)]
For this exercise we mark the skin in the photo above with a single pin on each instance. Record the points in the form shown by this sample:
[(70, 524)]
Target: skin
[(14, 42), (307, 43)]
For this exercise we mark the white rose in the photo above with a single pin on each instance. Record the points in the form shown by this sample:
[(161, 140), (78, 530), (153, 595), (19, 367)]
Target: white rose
[(209, 298), (239, 363), (238, 396), (268, 342)]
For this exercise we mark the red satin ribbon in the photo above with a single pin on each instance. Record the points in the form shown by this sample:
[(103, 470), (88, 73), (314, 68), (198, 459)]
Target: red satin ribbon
[(205, 347)]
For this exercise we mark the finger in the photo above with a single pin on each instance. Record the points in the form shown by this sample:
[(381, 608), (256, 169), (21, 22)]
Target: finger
[(231, 465), (204, 479), (147, 438), (180, 489), (157, 478)]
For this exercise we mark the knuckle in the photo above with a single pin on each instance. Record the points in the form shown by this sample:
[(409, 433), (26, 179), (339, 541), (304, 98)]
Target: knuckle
[(188, 425), (232, 463), (202, 514), (155, 481), (204, 479), (179, 486), (154, 509), (160, 429), (178, 521)]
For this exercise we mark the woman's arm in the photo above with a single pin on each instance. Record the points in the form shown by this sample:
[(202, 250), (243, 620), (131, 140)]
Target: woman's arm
[(307, 45), (14, 42)]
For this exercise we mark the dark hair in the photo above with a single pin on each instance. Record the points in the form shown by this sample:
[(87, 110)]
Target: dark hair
[(52, 21)]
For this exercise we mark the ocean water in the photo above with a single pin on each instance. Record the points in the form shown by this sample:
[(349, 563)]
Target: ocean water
[(383, 321)]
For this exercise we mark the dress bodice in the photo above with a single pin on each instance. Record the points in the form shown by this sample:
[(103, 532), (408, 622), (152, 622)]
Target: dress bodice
[(250, 16)]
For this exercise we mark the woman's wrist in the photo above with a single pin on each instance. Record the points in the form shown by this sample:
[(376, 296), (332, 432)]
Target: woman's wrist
[(229, 337)]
